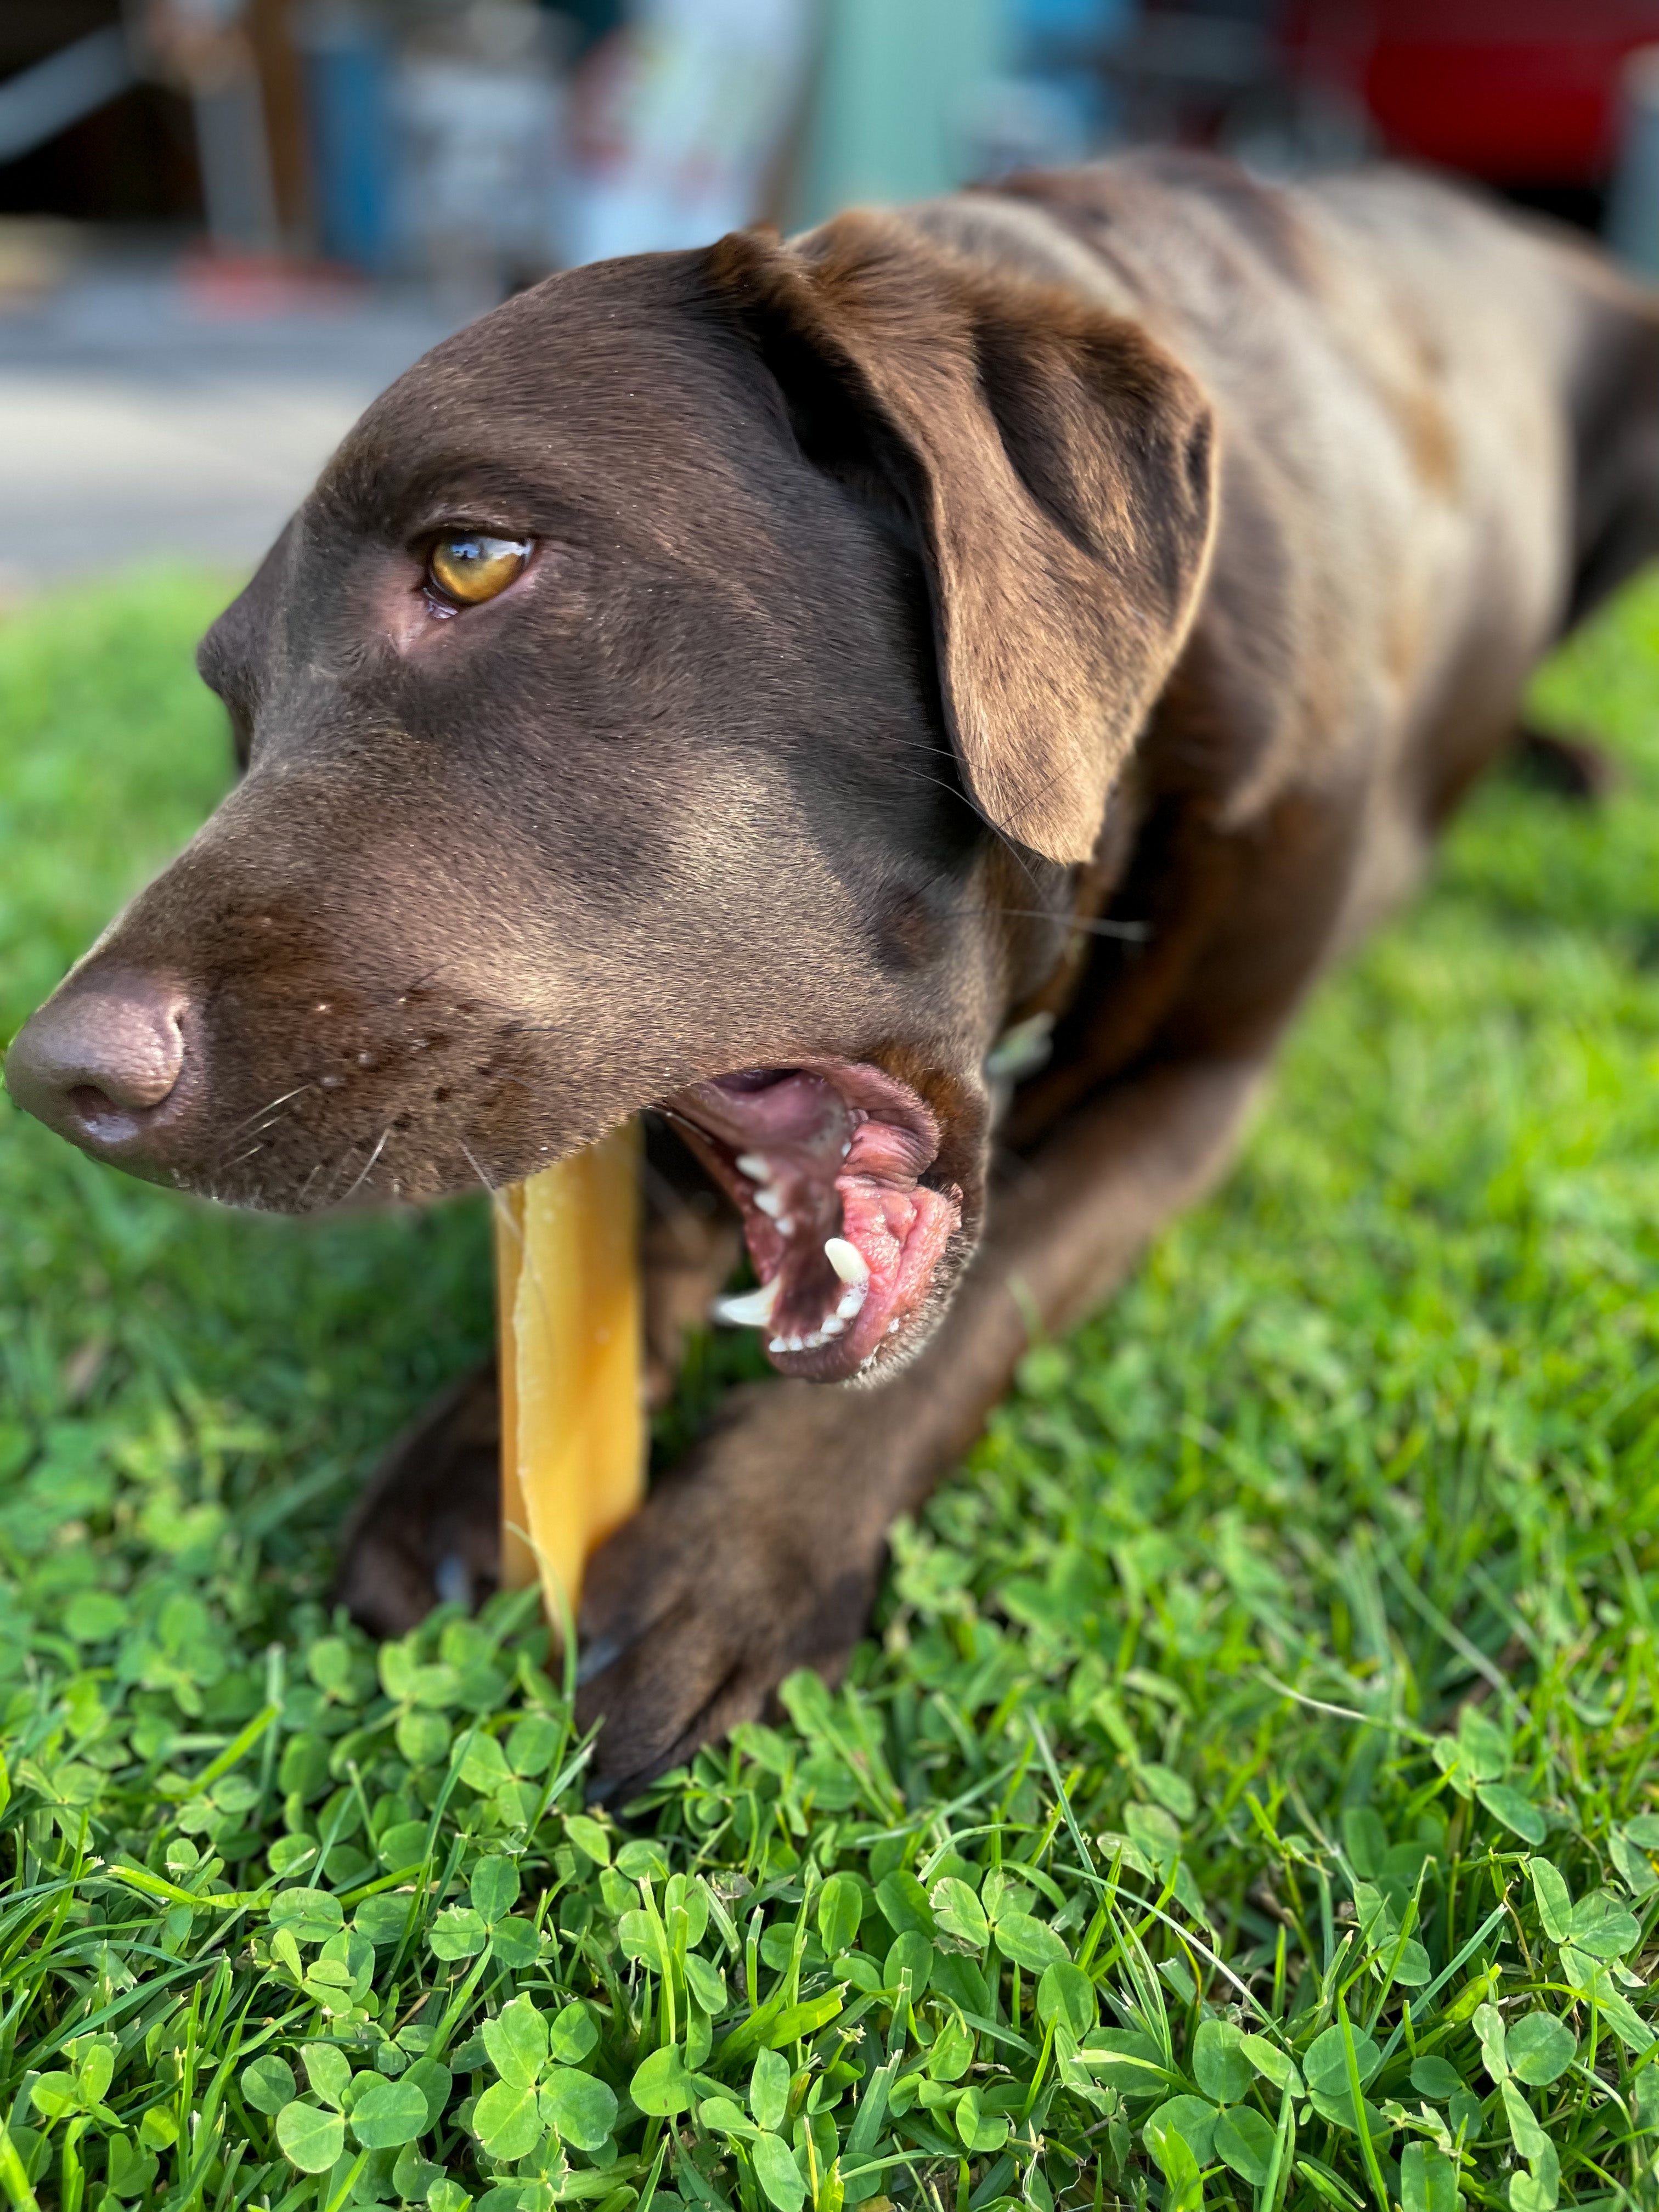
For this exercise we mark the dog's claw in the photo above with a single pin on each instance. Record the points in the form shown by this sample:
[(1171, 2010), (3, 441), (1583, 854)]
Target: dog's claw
[(595, 1657), (452, 1580)]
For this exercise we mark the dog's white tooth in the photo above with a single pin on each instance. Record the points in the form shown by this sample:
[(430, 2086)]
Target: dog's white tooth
[(749, 1308), (777, 1345), (846, 1148), (797, 1344), (755, 1166), (768, 1201), (847, 1260), (786, 1225), (853, 1303), (832, 1325)]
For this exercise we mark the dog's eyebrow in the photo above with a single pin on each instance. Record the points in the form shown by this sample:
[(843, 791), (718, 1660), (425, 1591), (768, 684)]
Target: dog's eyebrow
[(383, 493)]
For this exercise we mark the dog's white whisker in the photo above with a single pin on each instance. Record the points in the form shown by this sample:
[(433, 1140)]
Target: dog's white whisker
[(368, 1164), (498, 1205), (466, 1154), (259, 1124), (272, 1105)]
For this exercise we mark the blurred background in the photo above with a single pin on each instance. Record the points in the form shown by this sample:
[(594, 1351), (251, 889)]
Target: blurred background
[(225, 224)]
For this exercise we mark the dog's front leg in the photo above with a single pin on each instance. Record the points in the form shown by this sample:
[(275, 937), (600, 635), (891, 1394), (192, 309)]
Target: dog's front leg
[(761, 1554)]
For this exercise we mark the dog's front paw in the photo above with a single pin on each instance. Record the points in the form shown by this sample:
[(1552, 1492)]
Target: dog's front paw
[(427, 1525), (749, 1562)]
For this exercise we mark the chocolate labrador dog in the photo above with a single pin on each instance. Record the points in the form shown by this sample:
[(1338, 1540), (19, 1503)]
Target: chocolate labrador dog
[(932, 692)]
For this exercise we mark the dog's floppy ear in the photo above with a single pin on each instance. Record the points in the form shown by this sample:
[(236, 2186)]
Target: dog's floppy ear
[(1059, 470)]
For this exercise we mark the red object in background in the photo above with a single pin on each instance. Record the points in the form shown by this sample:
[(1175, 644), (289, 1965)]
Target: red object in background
[(1514, 91)]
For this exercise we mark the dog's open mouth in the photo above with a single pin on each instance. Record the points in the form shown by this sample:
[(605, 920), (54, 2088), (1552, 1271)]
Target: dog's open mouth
[(824, 1162)]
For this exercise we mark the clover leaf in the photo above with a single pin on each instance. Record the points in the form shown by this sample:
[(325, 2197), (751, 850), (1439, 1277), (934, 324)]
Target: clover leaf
[(1540, 2048), (1189, 2118), (1244, 2140), (309, 2137), (663, 2085), (1065, 1994), (777, 2172), (1029, 1941), (959, 1914), (328, 2071), (904, 1906), (1221, 2068), (1435, 2078), (768, 2089), (268, 2084), (1428, 2180), (388, 2114), (580, 2108), (458, 1932), (517, 2042), (840, 1908)]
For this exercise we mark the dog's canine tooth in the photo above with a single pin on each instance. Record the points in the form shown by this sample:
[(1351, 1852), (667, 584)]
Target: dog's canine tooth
[(749, 1308), (847, 1262), (769, 1200), (755, 1166)]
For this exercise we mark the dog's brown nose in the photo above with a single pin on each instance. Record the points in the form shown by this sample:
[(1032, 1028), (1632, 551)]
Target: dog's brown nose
[(97, 1062)]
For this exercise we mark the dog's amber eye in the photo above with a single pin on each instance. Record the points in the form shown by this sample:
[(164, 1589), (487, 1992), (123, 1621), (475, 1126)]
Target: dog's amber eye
[(471, 568)]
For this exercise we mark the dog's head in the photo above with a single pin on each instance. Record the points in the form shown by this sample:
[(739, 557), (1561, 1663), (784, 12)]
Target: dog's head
[(692, 686)]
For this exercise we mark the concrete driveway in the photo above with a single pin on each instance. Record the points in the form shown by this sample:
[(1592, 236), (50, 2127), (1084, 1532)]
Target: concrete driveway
[(138, 424)]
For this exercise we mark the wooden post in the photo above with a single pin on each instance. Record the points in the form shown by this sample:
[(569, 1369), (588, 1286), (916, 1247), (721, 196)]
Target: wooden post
[(574, 1435)]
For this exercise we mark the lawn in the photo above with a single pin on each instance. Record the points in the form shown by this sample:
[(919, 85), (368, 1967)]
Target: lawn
[(1248, 1794)]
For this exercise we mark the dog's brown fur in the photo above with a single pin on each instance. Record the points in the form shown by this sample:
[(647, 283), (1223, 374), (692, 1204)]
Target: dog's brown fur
[(1084, 597)]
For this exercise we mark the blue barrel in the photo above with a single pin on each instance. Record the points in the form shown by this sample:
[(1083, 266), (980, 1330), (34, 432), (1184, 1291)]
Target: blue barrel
[(346, 66)]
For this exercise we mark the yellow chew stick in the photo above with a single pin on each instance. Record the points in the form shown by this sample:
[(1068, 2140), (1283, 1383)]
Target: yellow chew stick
[(573, 1414)]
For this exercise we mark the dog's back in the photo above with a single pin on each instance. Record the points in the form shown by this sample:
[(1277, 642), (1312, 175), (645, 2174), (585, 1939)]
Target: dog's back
[(1431, 462)]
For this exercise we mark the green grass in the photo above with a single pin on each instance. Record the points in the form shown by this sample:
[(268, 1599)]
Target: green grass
[(1259, 1734)]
